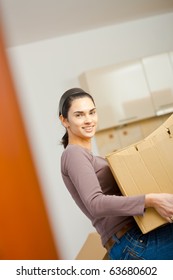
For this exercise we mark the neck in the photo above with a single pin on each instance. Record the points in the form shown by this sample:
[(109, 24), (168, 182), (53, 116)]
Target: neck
[(85, 144)]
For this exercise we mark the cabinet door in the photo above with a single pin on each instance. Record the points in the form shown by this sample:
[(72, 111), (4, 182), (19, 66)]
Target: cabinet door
[(159, 74), (108, 141), (121, 94), (96, 83)]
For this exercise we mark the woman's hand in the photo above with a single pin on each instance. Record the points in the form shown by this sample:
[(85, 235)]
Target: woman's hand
[(162, 203)]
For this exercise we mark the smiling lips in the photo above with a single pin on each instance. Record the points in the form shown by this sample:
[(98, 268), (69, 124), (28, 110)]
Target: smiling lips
[(88, 128)]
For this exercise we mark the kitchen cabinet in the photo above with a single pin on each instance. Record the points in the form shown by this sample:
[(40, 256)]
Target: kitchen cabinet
[(159, 76), (113, 139), (108, 141), (130, 134), (121, 94), (149, 125)]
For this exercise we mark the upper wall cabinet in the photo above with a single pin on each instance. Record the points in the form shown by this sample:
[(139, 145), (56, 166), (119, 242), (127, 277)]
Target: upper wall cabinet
[(121, 94), (132, 91), (159, 75)]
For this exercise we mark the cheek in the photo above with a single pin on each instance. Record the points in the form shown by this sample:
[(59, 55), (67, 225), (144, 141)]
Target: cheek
[(76, 124), (96, 119)]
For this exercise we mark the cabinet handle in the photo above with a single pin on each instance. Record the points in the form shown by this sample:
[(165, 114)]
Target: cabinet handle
[(164, 109)]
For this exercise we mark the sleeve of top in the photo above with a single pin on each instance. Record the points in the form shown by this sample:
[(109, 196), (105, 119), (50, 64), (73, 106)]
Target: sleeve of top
[(78, 167)]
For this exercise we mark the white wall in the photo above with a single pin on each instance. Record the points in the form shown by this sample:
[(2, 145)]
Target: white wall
[(43, 71)]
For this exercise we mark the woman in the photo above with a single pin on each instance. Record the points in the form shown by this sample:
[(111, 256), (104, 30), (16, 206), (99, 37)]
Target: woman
[(94, 189)]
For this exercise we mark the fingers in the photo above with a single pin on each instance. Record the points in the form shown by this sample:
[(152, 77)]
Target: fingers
[(169, 219)]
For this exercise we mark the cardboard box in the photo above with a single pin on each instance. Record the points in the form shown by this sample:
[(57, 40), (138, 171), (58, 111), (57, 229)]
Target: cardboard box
[(146, 167), (92, 249)]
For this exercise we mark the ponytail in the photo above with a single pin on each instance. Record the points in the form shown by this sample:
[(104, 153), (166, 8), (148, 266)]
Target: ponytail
[(64, 140)]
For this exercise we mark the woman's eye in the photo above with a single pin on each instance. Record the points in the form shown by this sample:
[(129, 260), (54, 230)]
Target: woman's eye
[(93, 112), (78, 115)]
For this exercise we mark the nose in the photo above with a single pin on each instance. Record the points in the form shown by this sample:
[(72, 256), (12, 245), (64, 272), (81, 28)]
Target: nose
[(88, 118)]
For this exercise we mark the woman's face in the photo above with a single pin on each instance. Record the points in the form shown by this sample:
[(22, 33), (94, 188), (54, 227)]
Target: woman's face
[(82, 119)]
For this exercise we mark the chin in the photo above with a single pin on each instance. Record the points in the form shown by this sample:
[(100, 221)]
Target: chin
[(91, 135)]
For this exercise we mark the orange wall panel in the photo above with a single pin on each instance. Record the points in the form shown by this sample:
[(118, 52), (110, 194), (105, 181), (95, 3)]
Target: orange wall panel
[(25, 232)]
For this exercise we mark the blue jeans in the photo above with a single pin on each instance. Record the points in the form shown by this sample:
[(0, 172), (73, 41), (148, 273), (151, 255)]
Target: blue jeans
[(154, 245)]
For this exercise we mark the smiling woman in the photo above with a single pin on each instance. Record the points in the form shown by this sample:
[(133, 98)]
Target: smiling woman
[(91, 184)]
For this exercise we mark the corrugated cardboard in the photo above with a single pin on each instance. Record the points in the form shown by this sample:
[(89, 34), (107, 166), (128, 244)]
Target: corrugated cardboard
[(146, 167), (92, 249)]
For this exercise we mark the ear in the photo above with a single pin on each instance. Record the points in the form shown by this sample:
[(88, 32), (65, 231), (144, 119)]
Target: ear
[(64, 121)]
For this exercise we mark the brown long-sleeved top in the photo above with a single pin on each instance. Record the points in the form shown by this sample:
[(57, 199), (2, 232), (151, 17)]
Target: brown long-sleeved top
[(91, 184)]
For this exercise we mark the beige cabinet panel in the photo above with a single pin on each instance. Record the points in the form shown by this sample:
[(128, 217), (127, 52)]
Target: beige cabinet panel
[(165, 117), (96, 82), (159, 74), (107, 141), (130, 134), (110, 140), (149, 125)]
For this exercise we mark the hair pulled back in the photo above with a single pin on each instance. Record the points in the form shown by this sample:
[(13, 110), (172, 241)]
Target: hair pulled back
[(65, 104)]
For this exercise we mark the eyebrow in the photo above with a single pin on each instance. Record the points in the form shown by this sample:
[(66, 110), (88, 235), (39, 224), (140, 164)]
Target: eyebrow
[(79, 112)]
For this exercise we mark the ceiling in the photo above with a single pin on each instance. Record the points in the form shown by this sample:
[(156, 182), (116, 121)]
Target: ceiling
[(25, 21)]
